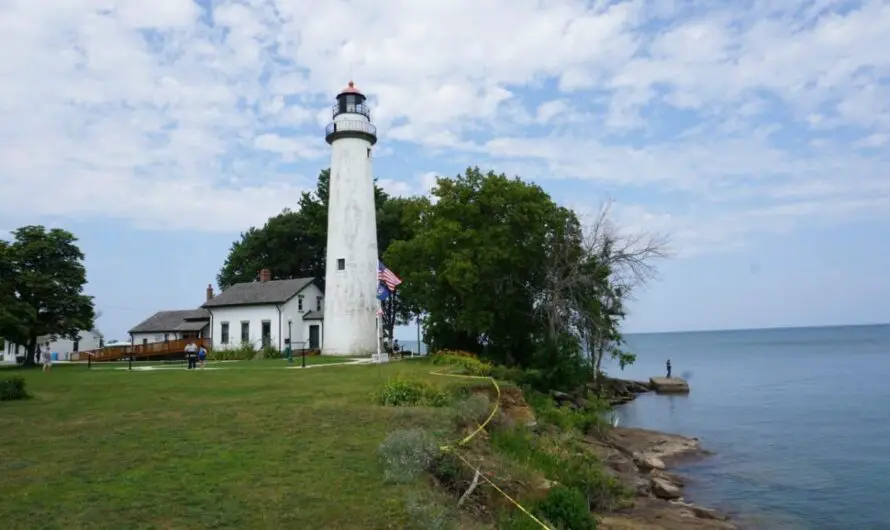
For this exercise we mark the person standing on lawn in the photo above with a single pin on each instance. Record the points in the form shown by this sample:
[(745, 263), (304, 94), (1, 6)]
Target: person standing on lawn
[(47, 361), (191, 355), (202, 356)]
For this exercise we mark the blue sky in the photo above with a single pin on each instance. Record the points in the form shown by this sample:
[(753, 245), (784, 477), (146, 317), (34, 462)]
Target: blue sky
[(754, 134)]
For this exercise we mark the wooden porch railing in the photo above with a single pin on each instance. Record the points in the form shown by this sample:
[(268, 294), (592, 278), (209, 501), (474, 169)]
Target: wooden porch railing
[(116, 353)]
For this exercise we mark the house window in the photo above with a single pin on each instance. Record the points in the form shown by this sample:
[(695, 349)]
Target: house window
[(101, 342), (300, 303), (266, 333), (76, 346), (144, 342), (245, 331), (166, 337), (318, 303), (341, 264), (224, 333)]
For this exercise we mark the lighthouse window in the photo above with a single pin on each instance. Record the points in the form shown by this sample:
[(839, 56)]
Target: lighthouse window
[(341, 264), (369, 152)]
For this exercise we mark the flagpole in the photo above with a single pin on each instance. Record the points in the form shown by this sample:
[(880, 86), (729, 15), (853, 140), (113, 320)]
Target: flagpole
[(378, 359)]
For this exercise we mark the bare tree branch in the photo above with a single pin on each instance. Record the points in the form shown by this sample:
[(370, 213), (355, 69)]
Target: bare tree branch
[(593, 271)]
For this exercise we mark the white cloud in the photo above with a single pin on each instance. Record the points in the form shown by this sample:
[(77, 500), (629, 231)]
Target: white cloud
[(123, 108)]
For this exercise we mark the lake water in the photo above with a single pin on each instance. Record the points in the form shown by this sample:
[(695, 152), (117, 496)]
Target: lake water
[(798, 419)]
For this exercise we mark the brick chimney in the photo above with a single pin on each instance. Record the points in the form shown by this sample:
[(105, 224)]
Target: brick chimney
[(265, 275), (209, 292)]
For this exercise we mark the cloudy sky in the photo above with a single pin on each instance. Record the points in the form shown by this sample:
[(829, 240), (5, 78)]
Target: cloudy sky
[(755, 133)]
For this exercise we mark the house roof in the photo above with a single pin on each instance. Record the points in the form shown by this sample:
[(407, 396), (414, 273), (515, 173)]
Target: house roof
[(257, 293), (313, 315), (172, 320), (191, 325)]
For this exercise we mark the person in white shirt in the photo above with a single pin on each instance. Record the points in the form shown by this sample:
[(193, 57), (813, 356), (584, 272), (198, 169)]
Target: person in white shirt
[(191, 354)]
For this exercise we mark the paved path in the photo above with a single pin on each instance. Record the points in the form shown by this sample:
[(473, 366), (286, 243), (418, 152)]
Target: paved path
[(356, 361), (295, 366)]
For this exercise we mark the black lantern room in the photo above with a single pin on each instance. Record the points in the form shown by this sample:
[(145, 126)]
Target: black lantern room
[(351, 101)]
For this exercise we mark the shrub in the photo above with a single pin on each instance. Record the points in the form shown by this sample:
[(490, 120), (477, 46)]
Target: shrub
[(469, 365), (558, 365), (247, 351), (583, 419), (13, 389), (269, 352), (456, 353), (427, 514), (562, 457), (406, 454), (411, 392), (508, 373), (566, 508), (516, 520), (472, 411)]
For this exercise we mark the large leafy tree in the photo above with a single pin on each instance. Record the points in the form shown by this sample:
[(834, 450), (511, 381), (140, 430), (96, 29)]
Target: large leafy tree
[(42, 277), (478, 262), (292, 244)]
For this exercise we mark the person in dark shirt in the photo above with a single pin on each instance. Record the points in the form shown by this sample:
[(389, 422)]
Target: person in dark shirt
[(668, 365)]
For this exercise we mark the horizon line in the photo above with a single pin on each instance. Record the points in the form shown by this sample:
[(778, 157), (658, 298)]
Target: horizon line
[(769, 328)]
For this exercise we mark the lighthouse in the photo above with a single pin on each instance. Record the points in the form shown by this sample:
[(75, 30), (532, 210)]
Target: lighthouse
[(350, 303)]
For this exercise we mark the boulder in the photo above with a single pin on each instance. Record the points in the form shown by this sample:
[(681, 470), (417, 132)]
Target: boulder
[(648, 462), (663, 489), (669, 385)]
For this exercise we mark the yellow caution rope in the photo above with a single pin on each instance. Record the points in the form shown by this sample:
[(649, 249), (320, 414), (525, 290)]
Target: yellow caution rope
[(494, 410)]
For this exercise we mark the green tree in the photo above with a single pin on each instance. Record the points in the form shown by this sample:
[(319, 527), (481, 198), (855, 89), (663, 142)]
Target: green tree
[(478, 262), (42, 277)]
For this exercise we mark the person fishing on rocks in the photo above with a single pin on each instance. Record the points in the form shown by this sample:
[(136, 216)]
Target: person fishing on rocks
[(668, 366)]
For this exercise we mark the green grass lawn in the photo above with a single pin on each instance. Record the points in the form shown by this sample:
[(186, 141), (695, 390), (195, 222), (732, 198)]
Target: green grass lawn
[(228, 448)]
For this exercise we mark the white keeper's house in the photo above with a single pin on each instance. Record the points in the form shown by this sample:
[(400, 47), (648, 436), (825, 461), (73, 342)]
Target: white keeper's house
[(61, 347), (263, 313)]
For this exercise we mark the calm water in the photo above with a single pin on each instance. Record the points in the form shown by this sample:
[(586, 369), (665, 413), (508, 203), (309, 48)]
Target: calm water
[(799, 420)]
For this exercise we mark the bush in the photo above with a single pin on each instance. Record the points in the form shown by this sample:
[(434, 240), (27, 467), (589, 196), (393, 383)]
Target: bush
[(566, 508), (591, 416), (411, 392), (427, 514), (472, 411), (13, 389), (563, 458), (247, 351), (406, 454), (508, 373), (558, 365), (456, 353), (516, 520), (469, 365), (270, 352)]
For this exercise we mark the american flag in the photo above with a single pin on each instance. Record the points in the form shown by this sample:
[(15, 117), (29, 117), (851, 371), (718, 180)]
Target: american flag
[(387, 276)]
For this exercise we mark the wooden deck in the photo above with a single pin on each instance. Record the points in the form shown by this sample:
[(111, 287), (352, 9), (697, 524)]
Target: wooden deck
[(155, 349)]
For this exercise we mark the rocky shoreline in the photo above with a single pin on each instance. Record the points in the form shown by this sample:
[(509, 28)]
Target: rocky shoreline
[(640, 459)]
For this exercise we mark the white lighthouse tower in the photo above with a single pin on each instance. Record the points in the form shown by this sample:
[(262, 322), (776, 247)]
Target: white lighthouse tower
[(350, 301)]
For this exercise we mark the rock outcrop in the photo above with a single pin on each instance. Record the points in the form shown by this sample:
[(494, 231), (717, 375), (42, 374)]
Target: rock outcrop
[(638, 458), (669, 385), (620, 391)]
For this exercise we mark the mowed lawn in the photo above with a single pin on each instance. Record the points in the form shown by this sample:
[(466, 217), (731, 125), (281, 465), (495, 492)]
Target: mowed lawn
[(226, 448)]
